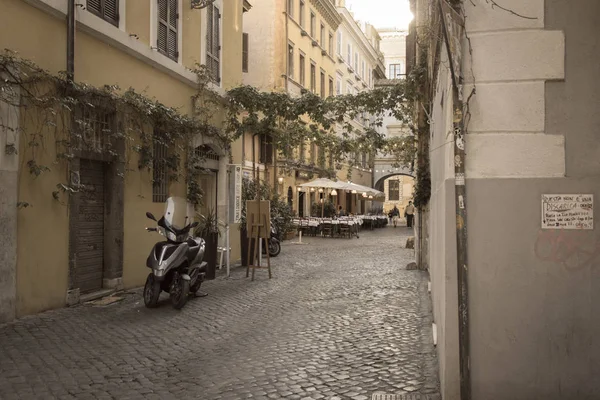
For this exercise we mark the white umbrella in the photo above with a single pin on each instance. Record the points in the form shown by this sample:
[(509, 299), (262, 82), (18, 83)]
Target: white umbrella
[(324, 183)]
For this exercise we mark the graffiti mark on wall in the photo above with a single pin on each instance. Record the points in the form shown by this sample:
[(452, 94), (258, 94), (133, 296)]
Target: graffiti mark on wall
[(573, 250)]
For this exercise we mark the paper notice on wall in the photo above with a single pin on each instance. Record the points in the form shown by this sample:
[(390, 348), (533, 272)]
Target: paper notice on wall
[(567, 211)]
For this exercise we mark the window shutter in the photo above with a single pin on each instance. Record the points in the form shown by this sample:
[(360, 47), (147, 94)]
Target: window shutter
[(111, 10), (94, 5), (213, 42), (168, 18)]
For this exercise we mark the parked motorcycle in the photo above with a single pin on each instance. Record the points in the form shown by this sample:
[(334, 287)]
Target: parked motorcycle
[(274, 242), (177, 266)]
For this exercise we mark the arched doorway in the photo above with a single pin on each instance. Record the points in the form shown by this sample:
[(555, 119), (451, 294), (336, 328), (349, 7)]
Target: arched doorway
[(398, 189)]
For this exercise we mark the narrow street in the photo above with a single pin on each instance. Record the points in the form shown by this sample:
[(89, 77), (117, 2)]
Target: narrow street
[(341, 319)]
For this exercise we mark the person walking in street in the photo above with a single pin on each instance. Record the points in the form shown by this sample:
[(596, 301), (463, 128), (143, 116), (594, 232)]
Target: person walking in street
[(395, 214), (409, 213)]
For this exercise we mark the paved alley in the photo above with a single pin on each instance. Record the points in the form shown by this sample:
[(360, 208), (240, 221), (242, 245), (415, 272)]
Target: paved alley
[(341, 319)]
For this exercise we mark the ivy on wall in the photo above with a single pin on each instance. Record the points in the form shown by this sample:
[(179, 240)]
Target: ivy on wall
[(77, 117)]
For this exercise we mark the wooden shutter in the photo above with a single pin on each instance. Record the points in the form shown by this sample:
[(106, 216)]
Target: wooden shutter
[(245, 52), (213, 42), (168, 21), (105, 9)]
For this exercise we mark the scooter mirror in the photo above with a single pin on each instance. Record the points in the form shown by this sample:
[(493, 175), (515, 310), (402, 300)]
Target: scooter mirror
[(149, 215)]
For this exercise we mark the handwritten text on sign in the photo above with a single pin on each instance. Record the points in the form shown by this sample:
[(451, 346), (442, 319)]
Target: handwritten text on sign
[(567, 211)]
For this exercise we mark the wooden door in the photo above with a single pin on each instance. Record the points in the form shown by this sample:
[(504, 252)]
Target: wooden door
[(90, 240)]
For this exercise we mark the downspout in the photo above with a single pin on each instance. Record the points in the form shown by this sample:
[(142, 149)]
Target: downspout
[(71, 40), (461, 226)]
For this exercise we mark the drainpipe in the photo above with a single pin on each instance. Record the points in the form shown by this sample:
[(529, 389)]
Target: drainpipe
[(71, 40), (461, 227)]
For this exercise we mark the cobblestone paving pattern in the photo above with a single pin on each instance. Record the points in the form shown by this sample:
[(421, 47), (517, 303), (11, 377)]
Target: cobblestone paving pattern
[(341, 319)]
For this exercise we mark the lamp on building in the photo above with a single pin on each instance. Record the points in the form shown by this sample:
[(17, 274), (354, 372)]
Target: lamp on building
[(334, 192), (280, 179), (365, 194), (320, 190), (354, 192), (371, 197), (312, 190)]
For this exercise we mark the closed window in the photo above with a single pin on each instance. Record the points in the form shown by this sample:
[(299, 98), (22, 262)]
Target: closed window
[(394, 190), (330, 86), (313, 25), (339, 43), (396, 71), (322, 35), (302, 13), (266, 149), (338, 86), (168, 24), (349, 55), (302, 68), (330, 43), (322, 84), (290, 8), (108, 10), (313, 78), (356, 62), (213, 42), (245, 52)]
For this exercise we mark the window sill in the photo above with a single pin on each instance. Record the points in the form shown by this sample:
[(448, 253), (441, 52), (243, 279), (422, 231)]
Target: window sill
[(112, 35)]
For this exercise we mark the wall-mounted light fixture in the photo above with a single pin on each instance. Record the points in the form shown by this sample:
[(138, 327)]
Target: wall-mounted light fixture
[(334, 192)]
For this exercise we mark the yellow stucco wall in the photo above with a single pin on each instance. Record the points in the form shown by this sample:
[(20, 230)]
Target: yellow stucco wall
[(43, 232)]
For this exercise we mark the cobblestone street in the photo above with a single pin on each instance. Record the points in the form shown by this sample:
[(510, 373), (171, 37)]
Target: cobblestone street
[(341, 319)]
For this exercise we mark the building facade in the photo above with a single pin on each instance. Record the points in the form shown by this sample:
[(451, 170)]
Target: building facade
[(55, 253), (531, 174), (294, 46), (387, 175)]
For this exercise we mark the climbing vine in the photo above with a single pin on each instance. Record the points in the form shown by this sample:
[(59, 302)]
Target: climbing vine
[(117, 123)]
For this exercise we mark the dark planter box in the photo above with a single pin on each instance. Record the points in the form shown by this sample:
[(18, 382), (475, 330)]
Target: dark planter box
[(245, 242), (210, 255)]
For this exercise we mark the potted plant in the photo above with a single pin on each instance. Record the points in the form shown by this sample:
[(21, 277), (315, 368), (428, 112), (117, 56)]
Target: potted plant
[(209, 230)]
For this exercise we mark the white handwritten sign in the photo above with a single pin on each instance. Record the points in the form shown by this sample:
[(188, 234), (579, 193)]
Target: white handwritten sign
[(567, 211), (237, 179)]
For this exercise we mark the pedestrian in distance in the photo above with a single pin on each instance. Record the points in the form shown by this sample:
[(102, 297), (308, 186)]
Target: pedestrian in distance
[(395, 214), (409, 213), (341, 212)]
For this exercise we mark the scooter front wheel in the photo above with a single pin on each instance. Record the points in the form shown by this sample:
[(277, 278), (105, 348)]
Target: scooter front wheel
[(180, 290), (151, 291)]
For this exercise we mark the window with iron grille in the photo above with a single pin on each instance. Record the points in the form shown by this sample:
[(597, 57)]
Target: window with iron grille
[(213, 42), (95, 127), (394, 190), (245, 52), (108, 10), (168, 24), (205, 152), (160, 176)]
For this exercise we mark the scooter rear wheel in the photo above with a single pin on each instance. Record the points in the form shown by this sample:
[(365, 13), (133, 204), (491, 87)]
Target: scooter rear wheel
[(151, 291), (274, 248)]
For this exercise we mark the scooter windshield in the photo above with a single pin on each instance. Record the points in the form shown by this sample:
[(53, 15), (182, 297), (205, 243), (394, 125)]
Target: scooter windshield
[(176, 212)]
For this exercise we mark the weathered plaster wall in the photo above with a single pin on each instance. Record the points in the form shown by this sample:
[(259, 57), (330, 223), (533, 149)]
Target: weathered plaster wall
[(533, 292), (442, 241)]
